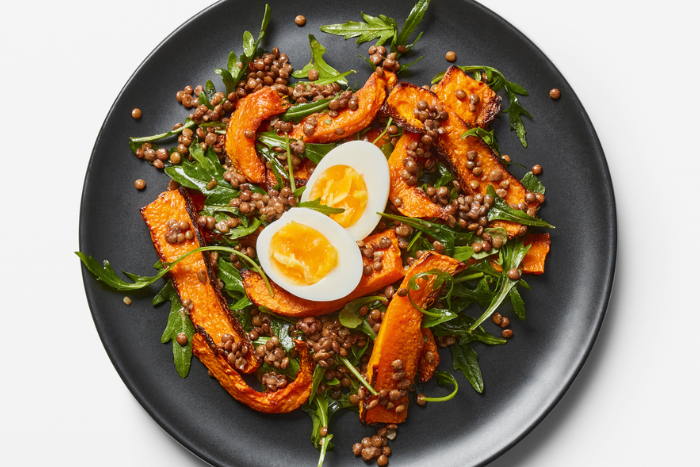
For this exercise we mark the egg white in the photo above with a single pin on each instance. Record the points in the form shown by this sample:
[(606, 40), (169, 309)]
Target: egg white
[(370, 161), (340, 281)]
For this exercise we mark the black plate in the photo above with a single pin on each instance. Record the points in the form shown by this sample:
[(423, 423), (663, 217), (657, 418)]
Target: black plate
[(524, 379)]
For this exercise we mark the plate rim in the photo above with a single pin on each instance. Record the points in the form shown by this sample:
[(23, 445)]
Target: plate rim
[(603, 298)]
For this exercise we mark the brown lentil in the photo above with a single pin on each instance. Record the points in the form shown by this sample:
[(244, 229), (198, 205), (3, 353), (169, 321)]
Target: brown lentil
[(505, 322), (555, 94), (536, 169), (514, 274), (300, 20), (136, 113), (507, 333), (450, 56), (182, 339), (140, 184), (127, 301)]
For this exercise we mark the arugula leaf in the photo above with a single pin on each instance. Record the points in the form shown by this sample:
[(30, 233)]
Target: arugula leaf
[(497, 81), (532, 183), (439, 232), (107, 275), (197, 175), (312, 151), (437, 316), (321, 410), (233, 74), (518, 303), (444, 378), (460, 327), (487, 137), (242, 231), (465, 359), (322, 208), (325, 71), (179, 322), (510, 256), (463, 253), (164, 294), (298, 112), (350, 317), (135, 142), (233, 283), (501, 210), (381, 28), (275, 164), (203, 99), (317, 379), (412, 22)]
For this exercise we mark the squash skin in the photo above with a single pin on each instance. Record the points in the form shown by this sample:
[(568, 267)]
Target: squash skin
[(427, 369), (290, 398), (210, 310), (489, 102), (250, 112), (370, 99), (415, 203), (453, 149), (400, 336), (533, 262), (286, 304)]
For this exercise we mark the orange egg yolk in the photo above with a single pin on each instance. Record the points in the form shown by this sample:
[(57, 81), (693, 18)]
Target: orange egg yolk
[(341, 186), (301, 254)]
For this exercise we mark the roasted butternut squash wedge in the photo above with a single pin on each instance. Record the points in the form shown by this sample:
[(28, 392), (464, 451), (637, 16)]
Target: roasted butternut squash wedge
[(284, 303), (415, 203), (400, 105), (429, 357), (400, 338), (485, 110), (250, 112), (285, 400), (209, 308), (533, 262), (370, 99)]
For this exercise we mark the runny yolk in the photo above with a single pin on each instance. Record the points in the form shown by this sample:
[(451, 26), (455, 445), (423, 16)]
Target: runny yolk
[(341, 186), (301, 254)]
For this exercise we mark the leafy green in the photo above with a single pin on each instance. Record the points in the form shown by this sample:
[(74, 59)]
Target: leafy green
[(465, 359), (233, 283), (439, 232), (460, 327), (510, 256), (354, 371), (532, 183), (179, 322), (317, 379), (242, 231), (444, 378), (497, 81), (164, 294), (350, 317), (487, 137), (381, 28), (501, 210), (107, 275), (197, 175), (322, 208), (518, 303), (325, 71), (135, 142), (232, 74), (321, 410), (298, 112), (312, 151), (463, 253)]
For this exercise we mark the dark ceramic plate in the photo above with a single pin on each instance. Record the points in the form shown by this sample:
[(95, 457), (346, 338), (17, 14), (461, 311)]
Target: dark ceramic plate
[(524, 379)]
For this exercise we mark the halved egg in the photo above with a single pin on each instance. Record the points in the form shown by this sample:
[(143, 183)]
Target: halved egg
[(310, 255), (353, 176)]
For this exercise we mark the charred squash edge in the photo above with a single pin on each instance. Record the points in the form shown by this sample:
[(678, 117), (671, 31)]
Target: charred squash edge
[(489, 108)]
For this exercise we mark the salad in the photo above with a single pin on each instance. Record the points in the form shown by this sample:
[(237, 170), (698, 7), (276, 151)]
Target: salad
[(329, 239)]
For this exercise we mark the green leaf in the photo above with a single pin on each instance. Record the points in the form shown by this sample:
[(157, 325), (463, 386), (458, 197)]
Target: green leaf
[(233, 283), (412, 22), (179, 322), (518, 303), (248, 45), (164, 294), (312, 151), (298, 112), (242, 231), (322, 208), (487, 137), (460, 327), (231, 64), (381, 28), (532, 183), (227, 79), (135, 142), (317, 62), (465, 359), (281, 330), (430, 321), (319, 373), (444, 379), (329, 79), (203, 99), (501, 210), (448, 237), (463, 253), (350, 317)]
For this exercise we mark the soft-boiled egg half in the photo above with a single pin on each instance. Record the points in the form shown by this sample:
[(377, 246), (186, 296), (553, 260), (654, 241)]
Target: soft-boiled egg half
[(310, 255), (353, 176)]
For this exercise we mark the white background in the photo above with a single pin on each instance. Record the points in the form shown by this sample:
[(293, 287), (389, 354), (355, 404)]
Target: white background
[(634, 65)]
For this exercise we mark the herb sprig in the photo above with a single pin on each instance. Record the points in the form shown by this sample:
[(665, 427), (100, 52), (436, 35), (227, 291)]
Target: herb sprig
[(326, 73)]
